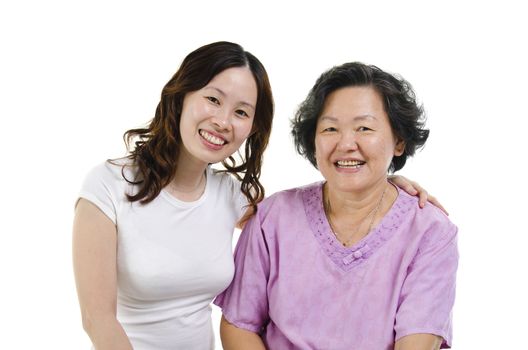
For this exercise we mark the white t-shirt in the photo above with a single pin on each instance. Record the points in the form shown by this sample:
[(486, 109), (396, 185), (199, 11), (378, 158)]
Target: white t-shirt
[(173, 257)]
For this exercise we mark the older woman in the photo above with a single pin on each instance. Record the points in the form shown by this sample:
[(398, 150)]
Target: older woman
[(351, 262)]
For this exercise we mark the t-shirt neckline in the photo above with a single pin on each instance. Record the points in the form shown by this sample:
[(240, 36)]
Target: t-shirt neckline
[(183, 204)]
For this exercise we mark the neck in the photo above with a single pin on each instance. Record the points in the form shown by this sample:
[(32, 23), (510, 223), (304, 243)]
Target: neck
[(188, 182), (355, 206), (352, 215)]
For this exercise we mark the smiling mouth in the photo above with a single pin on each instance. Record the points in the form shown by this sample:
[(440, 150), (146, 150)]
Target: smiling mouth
[(211, 138), (349, 164)]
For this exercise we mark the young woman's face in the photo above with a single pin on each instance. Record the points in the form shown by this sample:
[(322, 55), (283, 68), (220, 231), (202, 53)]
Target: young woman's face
[(218, 118), (354, 141)]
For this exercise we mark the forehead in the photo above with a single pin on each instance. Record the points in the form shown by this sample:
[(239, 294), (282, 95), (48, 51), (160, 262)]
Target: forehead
[(238, 82), (353, 101)]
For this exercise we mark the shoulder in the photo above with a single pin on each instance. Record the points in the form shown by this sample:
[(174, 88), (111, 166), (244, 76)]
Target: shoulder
[(110, 176), (106, 187), (225, 185), (113, 170), (430, 222), (222, 179), (287, 201)]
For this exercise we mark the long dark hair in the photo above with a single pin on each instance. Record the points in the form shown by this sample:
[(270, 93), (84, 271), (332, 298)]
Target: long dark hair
[(156, 147)]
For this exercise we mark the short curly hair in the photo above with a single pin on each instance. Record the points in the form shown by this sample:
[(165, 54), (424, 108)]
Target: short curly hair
[(406, 117)]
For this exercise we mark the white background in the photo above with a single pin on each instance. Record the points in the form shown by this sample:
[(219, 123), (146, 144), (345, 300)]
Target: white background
[(75, 75)]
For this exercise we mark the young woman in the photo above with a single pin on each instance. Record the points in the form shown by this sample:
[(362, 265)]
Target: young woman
[(153, 231)]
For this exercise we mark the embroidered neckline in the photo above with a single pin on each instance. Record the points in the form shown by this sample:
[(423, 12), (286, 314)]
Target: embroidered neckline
[(348, 257)]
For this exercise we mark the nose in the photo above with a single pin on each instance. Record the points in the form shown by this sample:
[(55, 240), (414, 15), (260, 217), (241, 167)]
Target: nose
[(347, 141), (222, 118)]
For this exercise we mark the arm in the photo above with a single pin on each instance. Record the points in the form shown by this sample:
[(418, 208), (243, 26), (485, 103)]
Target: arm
[(234, 338), (247, 215), (419, 342), (428, 291), (245, 301), (412, 188), (94, 263)]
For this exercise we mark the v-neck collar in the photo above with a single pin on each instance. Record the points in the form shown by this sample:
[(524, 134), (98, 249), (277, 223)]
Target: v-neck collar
[(348, 257)]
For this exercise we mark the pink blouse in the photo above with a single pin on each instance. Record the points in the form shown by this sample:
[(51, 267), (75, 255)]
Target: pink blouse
[(299, 288)]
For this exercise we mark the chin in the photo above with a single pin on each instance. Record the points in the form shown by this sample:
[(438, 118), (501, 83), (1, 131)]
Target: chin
[(345, 186)]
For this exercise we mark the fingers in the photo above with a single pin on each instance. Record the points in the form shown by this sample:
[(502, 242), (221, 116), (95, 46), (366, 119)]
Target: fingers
[(247, 215), (414, 189), (422, 193), (404, 183), (425, 196)]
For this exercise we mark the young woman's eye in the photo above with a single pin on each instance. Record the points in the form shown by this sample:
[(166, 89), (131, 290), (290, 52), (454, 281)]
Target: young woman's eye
[(213, 99), (364, 128), (242, 113)]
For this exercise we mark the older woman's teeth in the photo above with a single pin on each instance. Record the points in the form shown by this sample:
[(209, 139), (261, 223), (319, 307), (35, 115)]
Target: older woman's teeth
[(349, 163), (211, 138)]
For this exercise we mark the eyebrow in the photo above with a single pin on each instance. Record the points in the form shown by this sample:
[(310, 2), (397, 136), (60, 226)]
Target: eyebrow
[(359, 117), (224, 94)]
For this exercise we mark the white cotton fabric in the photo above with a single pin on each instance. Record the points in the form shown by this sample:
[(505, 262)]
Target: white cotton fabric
[(173, 257)]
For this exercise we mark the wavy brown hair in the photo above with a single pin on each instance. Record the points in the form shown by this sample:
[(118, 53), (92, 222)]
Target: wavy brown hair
[(156, 147)]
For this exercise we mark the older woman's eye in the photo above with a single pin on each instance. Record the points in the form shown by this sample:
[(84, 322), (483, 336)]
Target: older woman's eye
[(364, 128), (213, 99), (330, 129)]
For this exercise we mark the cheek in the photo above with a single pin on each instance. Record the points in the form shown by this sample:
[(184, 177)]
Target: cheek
[(248, 127), (379, 145), (196, 110), (321, 153), (243, 128), (383, 150), (205, 109), (325, 145)]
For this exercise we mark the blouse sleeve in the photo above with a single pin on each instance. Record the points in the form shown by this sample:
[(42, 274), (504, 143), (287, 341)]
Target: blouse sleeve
[(428, 293), (99, 188), (245, 303)]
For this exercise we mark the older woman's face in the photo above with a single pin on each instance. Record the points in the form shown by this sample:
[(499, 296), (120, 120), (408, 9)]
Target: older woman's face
[(354, 142)]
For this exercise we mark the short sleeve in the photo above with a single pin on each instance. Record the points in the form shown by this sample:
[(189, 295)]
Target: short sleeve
[(232, 188), (240, 200), (428, 293), (245, 303), (99, 187)]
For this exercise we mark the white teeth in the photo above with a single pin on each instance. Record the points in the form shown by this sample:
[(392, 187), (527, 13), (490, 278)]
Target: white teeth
[(213, 139), (349, 163)]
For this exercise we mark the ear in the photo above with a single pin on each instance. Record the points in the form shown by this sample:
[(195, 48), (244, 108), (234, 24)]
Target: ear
[(399, 147)]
